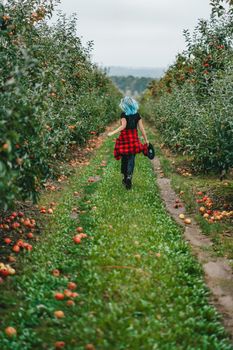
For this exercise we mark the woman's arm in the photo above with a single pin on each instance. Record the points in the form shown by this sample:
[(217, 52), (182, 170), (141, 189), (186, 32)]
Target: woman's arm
[(141, 127), (122, 127)]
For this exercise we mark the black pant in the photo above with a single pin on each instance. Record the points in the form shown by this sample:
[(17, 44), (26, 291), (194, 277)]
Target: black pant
[(127, 165)]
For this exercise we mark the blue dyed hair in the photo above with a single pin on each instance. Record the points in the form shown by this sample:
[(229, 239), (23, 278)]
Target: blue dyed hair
[(129, 105)]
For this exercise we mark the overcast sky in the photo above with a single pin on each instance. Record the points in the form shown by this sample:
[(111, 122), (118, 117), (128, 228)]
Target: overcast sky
[(135, 33)]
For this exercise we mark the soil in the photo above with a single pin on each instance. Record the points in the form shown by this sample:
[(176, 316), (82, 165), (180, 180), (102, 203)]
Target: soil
[(217, 271)]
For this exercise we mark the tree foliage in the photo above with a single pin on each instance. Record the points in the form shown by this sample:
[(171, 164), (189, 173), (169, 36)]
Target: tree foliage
[(51, 95), (192, 104)]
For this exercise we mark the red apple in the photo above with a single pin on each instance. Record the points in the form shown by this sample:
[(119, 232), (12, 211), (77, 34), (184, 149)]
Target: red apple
[(70, 303), (77, 239), (56, 273), (72, 285), (16, 248), (59, 314), (59, 344), (10, 331), (7, 240), (59, 296)]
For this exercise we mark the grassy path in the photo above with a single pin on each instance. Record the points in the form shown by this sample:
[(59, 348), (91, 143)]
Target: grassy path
[(139, 286)]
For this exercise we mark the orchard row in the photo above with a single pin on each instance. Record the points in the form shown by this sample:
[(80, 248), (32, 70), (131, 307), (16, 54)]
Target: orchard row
[(51, 96), (192, 103)]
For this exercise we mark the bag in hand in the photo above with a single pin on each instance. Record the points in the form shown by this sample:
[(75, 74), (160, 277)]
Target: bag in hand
[(151, 151)]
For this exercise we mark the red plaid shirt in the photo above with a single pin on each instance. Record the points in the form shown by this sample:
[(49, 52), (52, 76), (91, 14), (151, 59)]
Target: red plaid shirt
[(128, 143)]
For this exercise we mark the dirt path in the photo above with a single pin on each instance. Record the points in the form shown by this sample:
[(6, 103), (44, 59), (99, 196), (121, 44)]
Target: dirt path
[(218, 273)]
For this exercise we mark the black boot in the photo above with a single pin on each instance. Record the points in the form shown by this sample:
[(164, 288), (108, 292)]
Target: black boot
[(124, 180), (128, 183)]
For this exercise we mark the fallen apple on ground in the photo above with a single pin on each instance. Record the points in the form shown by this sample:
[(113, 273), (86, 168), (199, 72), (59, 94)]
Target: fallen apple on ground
[(68, 293), (16, 249), (70, 303), (59, 344), (72, 285), (59, 314), (77, 239), (56, 272), (7, 240), (30, 235), (10, 331), (202, 210), (59, 296), (90, 347)]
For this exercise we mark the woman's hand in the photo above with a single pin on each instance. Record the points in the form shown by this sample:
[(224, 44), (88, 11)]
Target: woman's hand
[(122, 127)]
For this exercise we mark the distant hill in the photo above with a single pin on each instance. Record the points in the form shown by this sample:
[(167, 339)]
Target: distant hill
[(131, 85), (135, 72)]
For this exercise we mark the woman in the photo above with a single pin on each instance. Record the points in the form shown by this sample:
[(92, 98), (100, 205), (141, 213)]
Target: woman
[(128, 144)]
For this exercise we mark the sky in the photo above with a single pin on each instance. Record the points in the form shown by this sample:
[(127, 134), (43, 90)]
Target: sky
[(135, 33)]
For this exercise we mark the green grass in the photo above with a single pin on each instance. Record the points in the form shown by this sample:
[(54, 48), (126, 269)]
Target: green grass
[(130, 298)]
